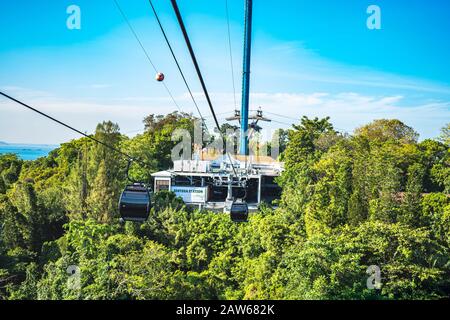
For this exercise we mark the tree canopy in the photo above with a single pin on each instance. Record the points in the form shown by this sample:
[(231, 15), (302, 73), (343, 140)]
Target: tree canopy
[(378, 197)]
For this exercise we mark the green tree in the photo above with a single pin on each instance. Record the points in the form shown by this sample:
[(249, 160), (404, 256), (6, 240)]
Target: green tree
[(445, 134), (412, 265), (412, 197), (77, 190), (300, 155), (10, 167), (434, 215), (384, 130), (328, 206), (101, 200)]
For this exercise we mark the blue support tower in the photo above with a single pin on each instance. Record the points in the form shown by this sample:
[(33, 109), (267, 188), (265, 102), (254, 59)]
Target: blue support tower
[(246, 77)]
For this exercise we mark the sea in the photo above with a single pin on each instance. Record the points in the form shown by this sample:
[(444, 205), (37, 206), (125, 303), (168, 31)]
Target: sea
[(27, 151)]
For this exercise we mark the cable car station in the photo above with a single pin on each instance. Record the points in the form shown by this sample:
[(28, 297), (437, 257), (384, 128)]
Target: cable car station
[(205, 182)]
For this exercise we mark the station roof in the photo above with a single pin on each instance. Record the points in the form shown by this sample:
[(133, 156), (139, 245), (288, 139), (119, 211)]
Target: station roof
[(256, 159), (162, 174)]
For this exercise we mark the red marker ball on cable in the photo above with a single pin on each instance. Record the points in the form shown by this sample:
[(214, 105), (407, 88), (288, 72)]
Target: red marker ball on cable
[(159, 76)]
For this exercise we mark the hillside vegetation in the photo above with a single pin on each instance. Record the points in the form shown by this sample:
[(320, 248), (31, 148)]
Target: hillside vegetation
[(376, 197)]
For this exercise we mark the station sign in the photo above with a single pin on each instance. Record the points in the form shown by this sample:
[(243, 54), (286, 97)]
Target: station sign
[(191, 194)]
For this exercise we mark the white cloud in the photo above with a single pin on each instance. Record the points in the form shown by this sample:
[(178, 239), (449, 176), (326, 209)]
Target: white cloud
[(347, 111)]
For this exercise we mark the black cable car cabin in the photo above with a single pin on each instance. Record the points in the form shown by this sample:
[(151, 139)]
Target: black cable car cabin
[(134, 204), (239, 211)]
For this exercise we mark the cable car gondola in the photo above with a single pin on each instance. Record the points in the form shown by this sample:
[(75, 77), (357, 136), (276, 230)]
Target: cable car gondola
[(239, 211), (134, 204)]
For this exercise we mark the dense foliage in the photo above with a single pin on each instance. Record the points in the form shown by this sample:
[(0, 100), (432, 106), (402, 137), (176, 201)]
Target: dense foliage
[(375, 198)]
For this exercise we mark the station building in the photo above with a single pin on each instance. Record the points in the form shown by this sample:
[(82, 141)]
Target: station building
[(203, 182)]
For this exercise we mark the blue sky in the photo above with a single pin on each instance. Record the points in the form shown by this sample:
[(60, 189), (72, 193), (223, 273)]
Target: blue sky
[(314, 58)]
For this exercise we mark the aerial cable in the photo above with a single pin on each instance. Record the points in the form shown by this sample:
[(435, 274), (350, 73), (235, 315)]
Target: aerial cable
[(220, 114), (145, 52), (199, 74), (176, 61), (281, 122), (194, 59), (231, 54), (282, 116), (130, 158)]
